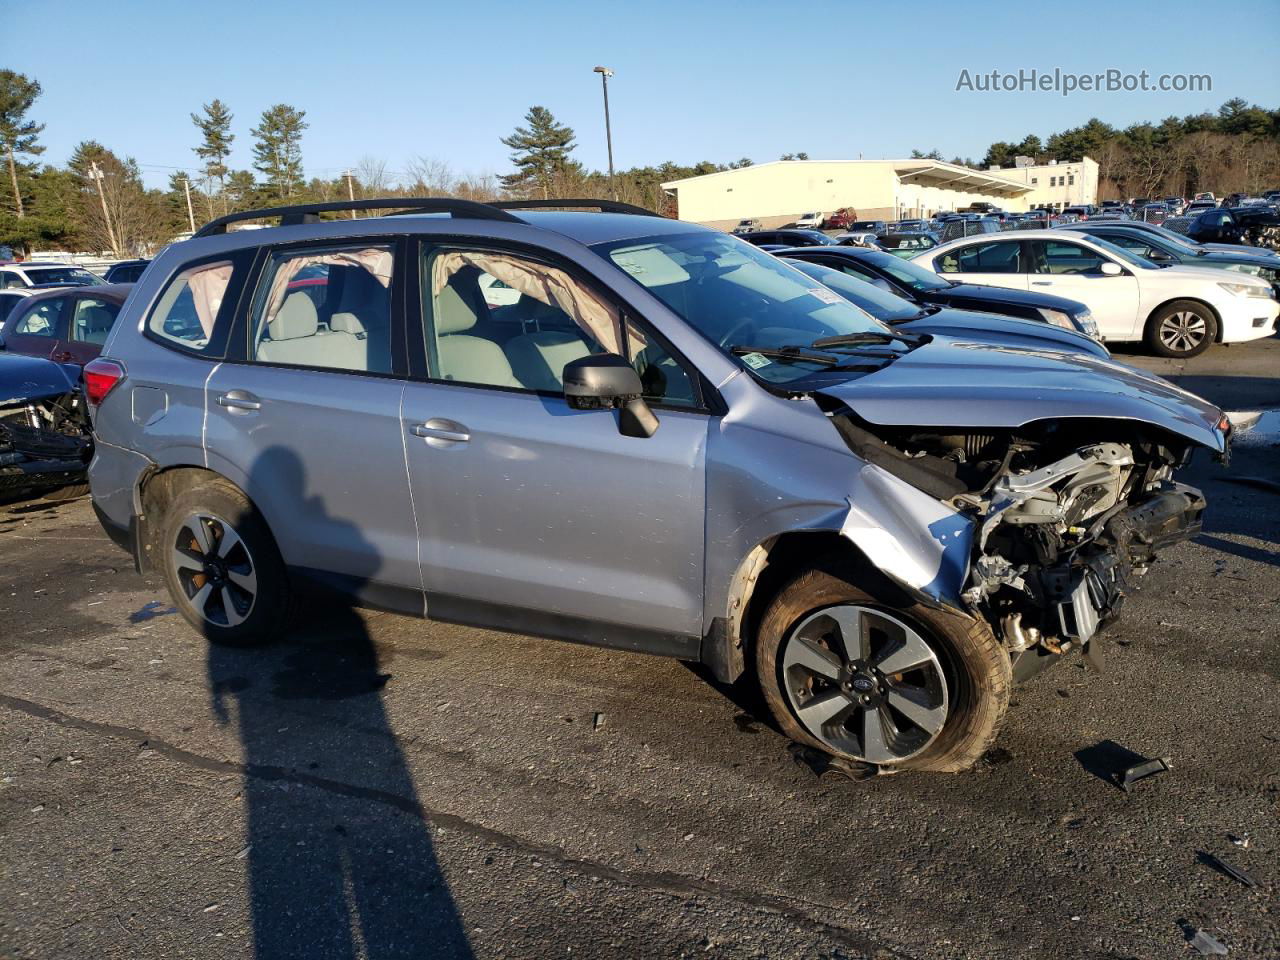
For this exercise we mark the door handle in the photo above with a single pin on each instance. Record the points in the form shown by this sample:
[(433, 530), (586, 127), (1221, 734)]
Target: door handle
[(239, 400), (63, 357), (438, 428), (1042, 283)]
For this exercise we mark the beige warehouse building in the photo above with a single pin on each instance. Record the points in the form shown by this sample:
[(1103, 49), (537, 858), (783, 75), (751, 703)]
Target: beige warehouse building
[(1056, 185), (777, 193)]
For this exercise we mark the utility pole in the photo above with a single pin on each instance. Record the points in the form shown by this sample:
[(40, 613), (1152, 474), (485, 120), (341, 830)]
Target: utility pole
[(191, 217), (96, 172), (605, 74), (351, 190)]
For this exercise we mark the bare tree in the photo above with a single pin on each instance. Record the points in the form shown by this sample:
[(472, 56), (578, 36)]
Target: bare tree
[(429, 177), (371, 175)]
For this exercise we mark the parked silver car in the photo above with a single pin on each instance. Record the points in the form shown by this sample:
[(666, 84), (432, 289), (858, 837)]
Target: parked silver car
[(671, 442)]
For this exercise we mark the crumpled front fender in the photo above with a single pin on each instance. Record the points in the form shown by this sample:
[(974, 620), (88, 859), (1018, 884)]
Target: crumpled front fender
[(918, 542)]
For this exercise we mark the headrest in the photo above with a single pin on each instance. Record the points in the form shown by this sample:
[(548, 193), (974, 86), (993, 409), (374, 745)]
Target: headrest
[(453, 313), (347, 323), (296, 318)]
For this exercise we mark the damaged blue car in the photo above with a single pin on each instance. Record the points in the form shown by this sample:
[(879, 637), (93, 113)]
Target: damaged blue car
[(619, 429)]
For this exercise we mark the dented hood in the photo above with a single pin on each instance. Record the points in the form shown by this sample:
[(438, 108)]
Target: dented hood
[(31, 378), (952, 382)]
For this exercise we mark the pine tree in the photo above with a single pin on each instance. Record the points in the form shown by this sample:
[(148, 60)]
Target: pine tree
[(278, 151), (215, 127), (18, 134), (541, 152)]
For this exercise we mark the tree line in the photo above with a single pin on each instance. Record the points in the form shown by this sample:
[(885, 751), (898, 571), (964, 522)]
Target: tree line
[(97, 201), (1235, 149)]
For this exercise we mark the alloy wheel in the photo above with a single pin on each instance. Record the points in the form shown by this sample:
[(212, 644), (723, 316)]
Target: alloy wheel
[(1183, 331), (215, 570), (864, 683)]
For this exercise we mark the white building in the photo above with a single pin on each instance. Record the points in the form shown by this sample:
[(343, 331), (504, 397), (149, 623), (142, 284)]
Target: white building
[(781, 191), (1056, 185)]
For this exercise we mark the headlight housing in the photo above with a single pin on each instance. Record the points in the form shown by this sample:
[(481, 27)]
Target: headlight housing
[(1247, 290), (1082, 324)]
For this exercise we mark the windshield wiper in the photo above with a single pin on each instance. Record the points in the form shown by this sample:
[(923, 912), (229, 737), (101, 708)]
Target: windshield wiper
[(857, 339), (787, 351)]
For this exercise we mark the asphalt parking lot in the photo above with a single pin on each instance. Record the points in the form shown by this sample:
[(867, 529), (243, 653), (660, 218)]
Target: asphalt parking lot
[(376, 786)]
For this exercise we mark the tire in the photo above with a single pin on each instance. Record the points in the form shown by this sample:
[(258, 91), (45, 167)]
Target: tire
[(1181, 329), (238, 562), (974, 672)]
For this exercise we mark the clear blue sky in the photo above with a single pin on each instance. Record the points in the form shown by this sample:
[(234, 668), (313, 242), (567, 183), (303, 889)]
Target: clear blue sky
[(696, 79)]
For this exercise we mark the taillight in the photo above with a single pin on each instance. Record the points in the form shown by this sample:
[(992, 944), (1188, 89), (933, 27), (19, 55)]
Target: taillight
[(100, 378)]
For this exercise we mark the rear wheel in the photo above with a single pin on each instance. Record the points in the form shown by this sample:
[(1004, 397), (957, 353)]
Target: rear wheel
[(895, 685), (222, 566), (1181, 329)]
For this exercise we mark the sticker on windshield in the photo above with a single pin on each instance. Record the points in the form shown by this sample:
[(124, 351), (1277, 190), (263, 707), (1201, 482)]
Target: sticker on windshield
[(825, 295), (756, 360)]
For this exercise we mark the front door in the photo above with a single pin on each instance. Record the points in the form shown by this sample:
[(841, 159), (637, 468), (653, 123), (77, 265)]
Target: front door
[(1074, 271), (310, 416), (536, 516)]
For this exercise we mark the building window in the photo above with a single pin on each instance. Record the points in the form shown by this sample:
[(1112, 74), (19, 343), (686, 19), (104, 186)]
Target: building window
[(1071, 180), (1034, 181)]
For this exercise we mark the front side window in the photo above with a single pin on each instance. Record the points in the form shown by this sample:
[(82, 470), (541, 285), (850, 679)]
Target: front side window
[(326, 308), (1068, 258), (10, 280), (185, 313), (93, 319), (1001, 256), (41, 320), (498, 319)]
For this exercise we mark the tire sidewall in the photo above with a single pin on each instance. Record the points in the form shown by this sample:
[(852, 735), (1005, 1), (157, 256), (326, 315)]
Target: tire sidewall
[(1158, 318), (225, 501), (976, 668)]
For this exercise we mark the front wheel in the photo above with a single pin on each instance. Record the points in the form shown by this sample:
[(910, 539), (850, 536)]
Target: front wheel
[(905, 686), (1181, 329)]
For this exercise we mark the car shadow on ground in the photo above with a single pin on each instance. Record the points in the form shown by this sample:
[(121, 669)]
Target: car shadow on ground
[(341, 862)]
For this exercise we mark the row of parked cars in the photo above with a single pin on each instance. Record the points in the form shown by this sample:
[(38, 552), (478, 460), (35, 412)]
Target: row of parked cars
[(822, 468)]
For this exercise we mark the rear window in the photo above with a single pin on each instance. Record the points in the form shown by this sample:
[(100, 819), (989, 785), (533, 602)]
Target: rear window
[(186, 311)]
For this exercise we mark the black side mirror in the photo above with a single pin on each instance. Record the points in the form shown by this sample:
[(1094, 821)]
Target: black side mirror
[(605, 381)]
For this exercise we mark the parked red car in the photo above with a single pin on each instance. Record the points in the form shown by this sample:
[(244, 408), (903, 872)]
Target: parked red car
[(67, 325), (842, 219)]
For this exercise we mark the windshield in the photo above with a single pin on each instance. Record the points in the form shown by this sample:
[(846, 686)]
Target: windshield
[(881, 304), (907, 241), (73, 275), (736, 295), (1120, 253), (1164, 233)]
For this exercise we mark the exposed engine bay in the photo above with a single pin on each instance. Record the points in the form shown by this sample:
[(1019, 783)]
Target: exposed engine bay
[(45, 443), (1066, 514)]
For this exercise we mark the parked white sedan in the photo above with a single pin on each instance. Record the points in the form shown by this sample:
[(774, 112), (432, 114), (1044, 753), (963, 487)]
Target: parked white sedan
[(1177, 310)]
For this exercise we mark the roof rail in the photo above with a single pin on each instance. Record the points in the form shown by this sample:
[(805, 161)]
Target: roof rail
[(604, 206), (307, 212)]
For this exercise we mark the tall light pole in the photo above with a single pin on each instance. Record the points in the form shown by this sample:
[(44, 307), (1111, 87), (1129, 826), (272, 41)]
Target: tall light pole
[(191, 215), (605, 74)]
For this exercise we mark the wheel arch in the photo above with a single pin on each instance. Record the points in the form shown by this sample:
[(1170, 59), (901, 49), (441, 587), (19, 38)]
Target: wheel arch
[(157, 486), (762, 574)]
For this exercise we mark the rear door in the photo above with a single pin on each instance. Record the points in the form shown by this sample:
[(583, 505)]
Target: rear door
[(1069, 269), (995, 263), (535, 515), (36, 327), (307, 408)]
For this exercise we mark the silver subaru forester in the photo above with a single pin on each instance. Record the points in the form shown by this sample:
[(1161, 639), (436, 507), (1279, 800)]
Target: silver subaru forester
[(620, 429)]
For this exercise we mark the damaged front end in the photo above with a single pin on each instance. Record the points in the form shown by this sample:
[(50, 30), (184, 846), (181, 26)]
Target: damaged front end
[(1063, 516), (45, 437)]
